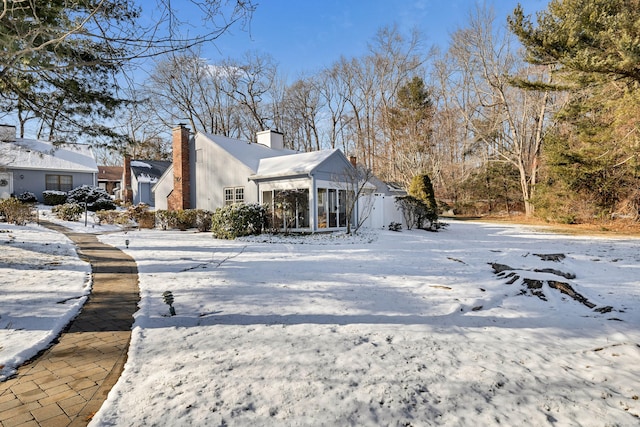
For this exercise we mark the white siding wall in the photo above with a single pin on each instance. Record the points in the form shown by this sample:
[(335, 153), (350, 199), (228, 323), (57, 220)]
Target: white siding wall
[(382, 211), (162, 189), (215, 170)]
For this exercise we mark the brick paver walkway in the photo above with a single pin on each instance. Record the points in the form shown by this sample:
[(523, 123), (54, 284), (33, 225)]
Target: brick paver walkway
[(67, 384)]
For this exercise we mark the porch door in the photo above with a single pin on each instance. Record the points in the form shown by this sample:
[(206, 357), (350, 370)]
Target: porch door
[(6, 184), (333, 208)]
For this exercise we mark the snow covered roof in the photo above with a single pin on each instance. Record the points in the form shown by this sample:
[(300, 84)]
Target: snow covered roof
[(293, 164), (148, 170), (386, 188), (249, 153), (42, 155), (109, 173)]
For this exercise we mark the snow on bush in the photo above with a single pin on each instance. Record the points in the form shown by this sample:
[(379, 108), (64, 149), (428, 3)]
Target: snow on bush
[(96, 198)]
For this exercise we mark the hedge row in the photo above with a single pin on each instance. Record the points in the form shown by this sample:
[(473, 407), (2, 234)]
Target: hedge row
[(228, 222)]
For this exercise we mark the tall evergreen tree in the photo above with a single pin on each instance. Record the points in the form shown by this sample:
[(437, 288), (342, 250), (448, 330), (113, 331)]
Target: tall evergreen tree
[(422, 189), (595, 38), (410, 126), (60, 58), (64, 77), (592, 157)]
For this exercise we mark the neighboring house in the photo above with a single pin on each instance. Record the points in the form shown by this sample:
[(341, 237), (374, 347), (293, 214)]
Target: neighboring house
[(305, 191), (110, 178), (139, 177), (29, 165)]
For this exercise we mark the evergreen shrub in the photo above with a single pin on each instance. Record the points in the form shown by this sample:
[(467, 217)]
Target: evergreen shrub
[(232, 221), (97, 199), (27, 197), (54, 198)]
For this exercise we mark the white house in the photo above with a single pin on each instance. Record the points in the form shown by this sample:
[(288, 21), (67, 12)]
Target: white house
[(310, 191), (29, 165)]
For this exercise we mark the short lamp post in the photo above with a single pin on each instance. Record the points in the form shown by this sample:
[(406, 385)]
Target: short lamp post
[(167, 297)]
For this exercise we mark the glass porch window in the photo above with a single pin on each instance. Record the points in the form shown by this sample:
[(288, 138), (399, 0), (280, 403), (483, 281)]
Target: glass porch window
[(322, 208), (333, 208), (288, 209), (342, 208)]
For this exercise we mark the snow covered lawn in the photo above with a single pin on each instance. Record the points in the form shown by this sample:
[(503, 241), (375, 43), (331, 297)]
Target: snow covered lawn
[(459, 327), (43, 285), (409, 328)]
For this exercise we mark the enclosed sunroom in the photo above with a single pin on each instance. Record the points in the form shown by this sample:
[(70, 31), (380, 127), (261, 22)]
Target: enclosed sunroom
[(308, 192)]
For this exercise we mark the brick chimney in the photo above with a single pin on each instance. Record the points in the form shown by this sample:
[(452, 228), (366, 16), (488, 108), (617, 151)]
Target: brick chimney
[(127, 192), (180, 197), (353, 161)]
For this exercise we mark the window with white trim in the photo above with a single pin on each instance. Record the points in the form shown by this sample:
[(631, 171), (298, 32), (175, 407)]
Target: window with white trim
[(233, 195)]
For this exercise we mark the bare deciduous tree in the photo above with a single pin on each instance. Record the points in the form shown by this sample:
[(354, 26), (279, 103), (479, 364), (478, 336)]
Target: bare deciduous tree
[(507, 120), (251, 82), (302, 104)]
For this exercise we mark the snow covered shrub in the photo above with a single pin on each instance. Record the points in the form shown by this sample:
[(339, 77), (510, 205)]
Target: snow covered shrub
[(15, 212), (27, 197), (96, 198), (164, 219), (238, 220), (68, 211), (54, 198), (184, 219), (203, 219)]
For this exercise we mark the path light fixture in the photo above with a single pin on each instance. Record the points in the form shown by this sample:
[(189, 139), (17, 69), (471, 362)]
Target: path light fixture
[(167, 297), (126, 243)]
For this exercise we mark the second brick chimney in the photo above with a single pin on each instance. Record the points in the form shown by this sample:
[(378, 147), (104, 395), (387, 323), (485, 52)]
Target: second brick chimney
[(127, 192), (181, 195)]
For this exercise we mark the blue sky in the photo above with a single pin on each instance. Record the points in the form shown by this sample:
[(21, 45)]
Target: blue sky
[(306, 35)]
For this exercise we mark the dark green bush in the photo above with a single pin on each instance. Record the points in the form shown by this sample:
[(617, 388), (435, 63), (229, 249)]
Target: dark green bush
[(27, 197), (54, 198), (96, 198), (184, 219), (238, 220)]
